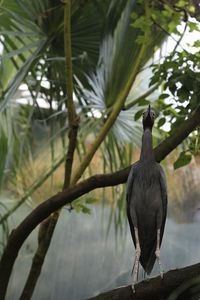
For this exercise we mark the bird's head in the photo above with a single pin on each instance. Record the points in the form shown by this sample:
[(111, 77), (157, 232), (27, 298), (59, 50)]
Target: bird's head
[(148, 118)]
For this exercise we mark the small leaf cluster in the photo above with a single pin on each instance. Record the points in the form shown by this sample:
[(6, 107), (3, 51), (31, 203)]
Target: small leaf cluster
[(192, 146), (81, 205), (159, 17), (166, 16), (184, 158), (180, 77)]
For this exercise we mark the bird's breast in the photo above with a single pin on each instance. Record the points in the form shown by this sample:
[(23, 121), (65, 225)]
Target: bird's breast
[(146, 190)]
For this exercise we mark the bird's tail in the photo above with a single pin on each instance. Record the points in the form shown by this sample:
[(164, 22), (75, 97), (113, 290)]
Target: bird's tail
[(151, 262)]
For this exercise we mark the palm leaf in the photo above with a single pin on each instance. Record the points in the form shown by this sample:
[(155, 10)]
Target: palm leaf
[(20, 75), (102, 39)]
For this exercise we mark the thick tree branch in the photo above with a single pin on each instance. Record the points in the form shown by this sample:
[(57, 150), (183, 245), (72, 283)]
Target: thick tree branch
[(45, 234), (156, 288), (19, 235)]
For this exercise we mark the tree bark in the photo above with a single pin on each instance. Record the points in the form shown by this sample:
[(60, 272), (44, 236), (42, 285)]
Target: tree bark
[(42, 211), (157, 288), (45, 234)]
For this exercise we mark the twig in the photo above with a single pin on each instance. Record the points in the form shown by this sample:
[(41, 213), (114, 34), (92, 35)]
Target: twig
[(169, 34)]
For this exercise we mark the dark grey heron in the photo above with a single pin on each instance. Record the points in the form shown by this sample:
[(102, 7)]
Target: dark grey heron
[(146, 198)]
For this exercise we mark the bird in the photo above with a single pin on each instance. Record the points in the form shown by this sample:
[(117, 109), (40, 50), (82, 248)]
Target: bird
[(146, 203)]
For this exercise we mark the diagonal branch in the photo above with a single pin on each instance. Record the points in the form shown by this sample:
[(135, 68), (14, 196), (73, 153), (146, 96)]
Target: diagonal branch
[(40, 213)]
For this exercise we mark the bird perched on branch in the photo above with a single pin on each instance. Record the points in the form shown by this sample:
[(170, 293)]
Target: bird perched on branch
[(146, 198)]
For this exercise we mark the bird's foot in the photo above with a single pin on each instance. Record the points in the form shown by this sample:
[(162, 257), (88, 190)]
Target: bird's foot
[(161, 274), (133, 288), (147, 278), (157, 253)]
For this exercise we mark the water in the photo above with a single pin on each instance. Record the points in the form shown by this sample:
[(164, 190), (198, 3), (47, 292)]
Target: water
[(82, 262)]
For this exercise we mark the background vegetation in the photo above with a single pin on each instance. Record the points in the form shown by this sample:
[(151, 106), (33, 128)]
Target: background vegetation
[(75, 79)]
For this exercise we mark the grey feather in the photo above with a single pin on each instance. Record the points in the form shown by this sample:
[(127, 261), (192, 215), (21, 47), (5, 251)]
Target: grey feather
[(146, 203), (146, 198)]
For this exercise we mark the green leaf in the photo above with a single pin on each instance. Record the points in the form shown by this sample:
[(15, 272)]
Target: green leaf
[(172, 87), (183, 160), (182, 3), (193, 27), (134, 15), (161, 122), (18, 34), (183, 94), (154, 79), (140, 39), (20, 75), (91, 200), (86, 210), (139, 23), (77, 208), (164, 96), (144, 102), (170, 64), (196, 44), (29, 47), (172, 26), (138, 114), (81, 208)]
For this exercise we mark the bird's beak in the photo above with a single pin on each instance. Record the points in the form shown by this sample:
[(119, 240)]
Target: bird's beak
[(149, 109)]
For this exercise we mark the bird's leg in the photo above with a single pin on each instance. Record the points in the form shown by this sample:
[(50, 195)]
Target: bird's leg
[(157, 253), (137, 258), (146, 277)]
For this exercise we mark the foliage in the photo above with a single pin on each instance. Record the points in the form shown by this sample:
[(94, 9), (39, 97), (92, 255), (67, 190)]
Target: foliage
[(33, 53), (184, 159), (104, 33), (113, 43), (180, 77), (82, 206)]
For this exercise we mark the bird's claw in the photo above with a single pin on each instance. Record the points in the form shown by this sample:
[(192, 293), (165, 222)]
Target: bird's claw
[(157, 253), (147, 279), (133, 288)]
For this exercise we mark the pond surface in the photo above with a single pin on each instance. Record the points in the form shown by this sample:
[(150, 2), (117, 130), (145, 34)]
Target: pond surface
[(83, 261)]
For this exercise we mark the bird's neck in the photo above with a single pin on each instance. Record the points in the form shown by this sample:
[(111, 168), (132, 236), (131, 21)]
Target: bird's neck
[(147, 152)]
